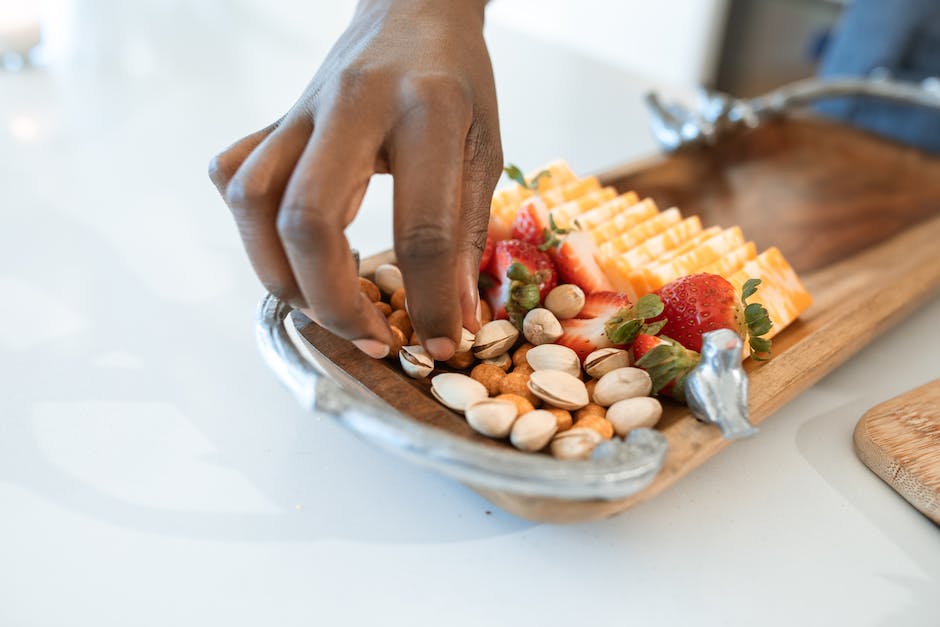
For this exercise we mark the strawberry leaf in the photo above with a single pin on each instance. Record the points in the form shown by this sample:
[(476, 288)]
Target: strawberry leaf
[(534, 183), (655, 327), (517, 272), (515, 174), (669, 364), (757, 319), (749, 289), (629, 322)]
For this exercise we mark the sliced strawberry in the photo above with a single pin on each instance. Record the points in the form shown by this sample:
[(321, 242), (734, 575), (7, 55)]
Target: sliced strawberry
[(524, 275), (588, 332), (487, 256), (667, 362), (698, 303), (573, 254), (531, 221)]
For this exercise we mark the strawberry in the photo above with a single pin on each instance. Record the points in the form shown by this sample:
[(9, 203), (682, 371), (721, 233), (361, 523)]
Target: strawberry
[(532, 221), (608, 319), (667, 362), (574, 258), (487, 256), (699, 303), (524, 276)]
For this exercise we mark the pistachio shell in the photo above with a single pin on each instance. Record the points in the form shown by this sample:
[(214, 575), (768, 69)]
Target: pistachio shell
[(456, 391), (565, 301), (554, 357), (622, 383), (415, 361), (575, 443), (533, 430), (633, 413), (558, 389), (388, 278), (540, 326), (603, 360), (466, 341), (492, 417), (494, 338), (503, 361)]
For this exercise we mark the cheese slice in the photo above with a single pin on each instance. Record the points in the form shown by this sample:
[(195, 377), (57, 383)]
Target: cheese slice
[(780, 291), (705, 253), (638, 276), (566, 213), (569, 191), (643, 231), (605, 211), (623, 221), (732, 262)]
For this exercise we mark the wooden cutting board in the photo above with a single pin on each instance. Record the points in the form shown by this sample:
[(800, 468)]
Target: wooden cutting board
[(856, 215), (900, 441)]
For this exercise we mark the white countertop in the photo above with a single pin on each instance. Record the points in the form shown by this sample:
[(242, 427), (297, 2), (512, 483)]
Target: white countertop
[(153, 472)]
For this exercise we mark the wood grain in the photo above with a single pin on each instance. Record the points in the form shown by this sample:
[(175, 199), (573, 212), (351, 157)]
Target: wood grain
[(859, 216), (900, 441)]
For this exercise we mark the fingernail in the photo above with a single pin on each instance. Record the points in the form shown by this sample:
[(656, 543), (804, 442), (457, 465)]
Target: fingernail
[(372, 348), (479, 312), (441, 348)]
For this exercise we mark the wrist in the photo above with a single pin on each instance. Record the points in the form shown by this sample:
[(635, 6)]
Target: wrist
[(462, 9)]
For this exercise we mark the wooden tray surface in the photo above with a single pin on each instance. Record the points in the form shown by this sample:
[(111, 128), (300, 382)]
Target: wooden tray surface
[(856, 215)]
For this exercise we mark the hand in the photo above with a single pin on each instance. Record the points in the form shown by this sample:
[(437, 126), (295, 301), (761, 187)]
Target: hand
[(408, 89)]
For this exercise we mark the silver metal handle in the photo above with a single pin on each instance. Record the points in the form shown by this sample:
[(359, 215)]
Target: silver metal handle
[(675, 126), (618, 470)]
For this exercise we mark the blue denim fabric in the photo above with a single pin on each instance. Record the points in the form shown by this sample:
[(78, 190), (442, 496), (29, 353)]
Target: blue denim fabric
[(901, 36)]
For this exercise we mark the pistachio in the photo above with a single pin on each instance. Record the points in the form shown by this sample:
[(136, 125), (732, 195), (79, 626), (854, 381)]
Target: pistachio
[(603, 360), (492, 417), (622, 383), (466, 341), (388, 278), (456, 391), (533, 430), (503, 361), (415, 361), (633, 413), (559, 389), (540, 326), (494, 338), (565, 301), (575, 443), (554, 357)]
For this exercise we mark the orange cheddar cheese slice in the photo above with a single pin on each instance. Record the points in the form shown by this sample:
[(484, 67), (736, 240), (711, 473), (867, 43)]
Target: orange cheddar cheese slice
[(632, 238), (569, 191), (650, 248), (732, 262), (638, 276), (605, 211), (707, 252), (566, 213), (624, 221), (780, 291)]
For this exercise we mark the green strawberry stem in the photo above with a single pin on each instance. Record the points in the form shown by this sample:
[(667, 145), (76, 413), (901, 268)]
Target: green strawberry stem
[(626, 324), (515, 174), (668, 365), (757, 320), (524, 292), (551, 235)]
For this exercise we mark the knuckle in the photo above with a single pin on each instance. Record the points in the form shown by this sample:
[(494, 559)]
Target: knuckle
[(242, 193), (352, 78), (437, 90), (423, 243), (301, 224), (221, 169)]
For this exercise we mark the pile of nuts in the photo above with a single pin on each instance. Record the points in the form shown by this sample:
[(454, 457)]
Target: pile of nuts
[(522, 385)]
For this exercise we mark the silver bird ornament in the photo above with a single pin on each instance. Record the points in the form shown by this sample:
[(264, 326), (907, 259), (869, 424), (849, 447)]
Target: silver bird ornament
[(716, 390)]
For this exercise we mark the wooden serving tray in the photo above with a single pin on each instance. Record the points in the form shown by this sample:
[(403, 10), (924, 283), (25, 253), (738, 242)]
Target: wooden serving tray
[(856, 215)]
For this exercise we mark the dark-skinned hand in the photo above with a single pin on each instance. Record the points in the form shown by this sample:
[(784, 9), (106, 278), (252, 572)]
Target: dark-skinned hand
[(407, 90)]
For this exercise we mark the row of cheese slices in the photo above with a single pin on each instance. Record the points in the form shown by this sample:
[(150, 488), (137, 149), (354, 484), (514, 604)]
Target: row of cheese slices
[(638, 248)]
